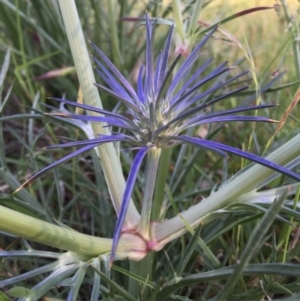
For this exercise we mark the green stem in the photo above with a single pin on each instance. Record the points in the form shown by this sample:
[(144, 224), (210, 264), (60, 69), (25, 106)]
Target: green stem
[(114, 33), (162, 174), (109, 159), (242, 183), (143, 268), (33, 229), (178, 18), (195, 16), (150, 180)]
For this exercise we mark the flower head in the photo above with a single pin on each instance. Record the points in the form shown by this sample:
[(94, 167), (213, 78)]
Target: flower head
[(167, 101)]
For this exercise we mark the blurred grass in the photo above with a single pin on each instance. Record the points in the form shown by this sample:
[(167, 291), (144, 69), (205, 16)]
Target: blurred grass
[(76, 194)]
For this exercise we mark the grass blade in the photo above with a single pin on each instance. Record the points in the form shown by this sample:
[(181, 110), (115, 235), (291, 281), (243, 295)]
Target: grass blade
[(254, 242)]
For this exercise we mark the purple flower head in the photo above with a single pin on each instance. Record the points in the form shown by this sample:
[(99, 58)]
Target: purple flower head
[(165, 103)]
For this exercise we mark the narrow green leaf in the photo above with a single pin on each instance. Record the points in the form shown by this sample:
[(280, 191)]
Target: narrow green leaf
[(211, 257), (254, 242), (20, 291), (292, 298), (223, 273), (134, 276), (96, 281), (32, 22), (77, 281), (24, 195), (237, 15), (3, 297), (287, 229), (114, 285), (269, 90), (170, 267), (189, 251), (256, 207), (4, 68)]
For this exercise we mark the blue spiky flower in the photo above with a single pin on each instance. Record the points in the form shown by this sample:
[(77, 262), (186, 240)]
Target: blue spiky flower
[(165, 103)]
